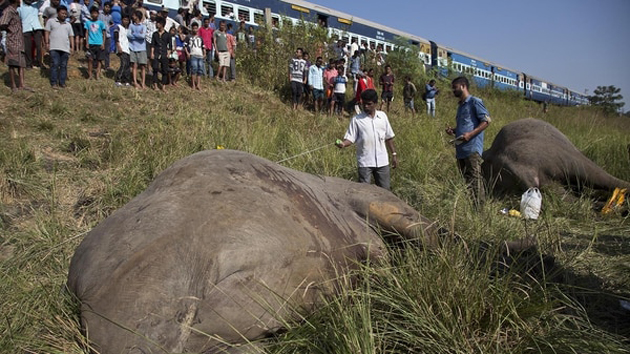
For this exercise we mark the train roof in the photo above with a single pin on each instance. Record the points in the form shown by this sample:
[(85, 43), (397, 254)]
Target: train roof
[(329, 11)]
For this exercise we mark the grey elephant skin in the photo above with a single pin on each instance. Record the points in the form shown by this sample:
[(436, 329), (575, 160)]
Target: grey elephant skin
[(222, 248), (533, 153)]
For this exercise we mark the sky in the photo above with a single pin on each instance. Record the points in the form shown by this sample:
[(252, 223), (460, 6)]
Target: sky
[(579, 44)]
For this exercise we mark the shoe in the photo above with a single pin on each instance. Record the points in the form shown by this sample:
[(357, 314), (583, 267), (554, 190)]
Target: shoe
[(127, 84), (118, 84), (54, 87), (62, 86)]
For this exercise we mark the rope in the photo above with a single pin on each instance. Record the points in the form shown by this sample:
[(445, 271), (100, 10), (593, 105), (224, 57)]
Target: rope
[(304, 153)]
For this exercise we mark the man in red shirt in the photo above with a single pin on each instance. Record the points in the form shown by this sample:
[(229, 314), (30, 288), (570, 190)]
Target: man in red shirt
[(206, 32)]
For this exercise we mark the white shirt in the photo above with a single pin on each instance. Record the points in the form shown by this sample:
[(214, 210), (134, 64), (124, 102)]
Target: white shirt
[(369, 135), (122, 39)]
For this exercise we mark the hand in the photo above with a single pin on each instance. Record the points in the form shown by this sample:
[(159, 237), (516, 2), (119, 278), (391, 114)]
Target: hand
[(394, 161), (339, 143), (467, 136), (103, 46), (449, 131)]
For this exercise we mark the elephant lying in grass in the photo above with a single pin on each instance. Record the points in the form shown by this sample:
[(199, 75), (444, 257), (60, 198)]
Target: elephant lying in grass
[(223, 247), (533, 153)]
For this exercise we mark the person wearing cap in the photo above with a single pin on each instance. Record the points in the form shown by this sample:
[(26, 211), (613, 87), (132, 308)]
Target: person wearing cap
[(169, 22), (374, 137)]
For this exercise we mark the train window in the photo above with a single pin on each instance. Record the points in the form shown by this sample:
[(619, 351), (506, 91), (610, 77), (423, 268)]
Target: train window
[(275, 21), (390, 48), (243, 15), (227, 11), (155, 1), (259, 18), (355, 38), (211, 7)]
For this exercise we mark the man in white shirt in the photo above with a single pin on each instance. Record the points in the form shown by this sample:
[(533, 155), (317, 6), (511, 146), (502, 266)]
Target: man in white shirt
[(373, 135)]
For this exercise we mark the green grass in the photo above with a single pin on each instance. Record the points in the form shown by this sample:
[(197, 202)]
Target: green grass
[(70, 158)]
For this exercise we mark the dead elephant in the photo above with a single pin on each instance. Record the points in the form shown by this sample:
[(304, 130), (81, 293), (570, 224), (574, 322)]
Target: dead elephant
[(533, 153), (221, 247)]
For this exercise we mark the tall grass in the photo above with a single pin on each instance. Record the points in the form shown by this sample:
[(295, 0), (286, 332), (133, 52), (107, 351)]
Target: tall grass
[(68, 159)]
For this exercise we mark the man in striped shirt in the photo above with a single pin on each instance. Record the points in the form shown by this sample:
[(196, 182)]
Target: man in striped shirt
[(316, 81)]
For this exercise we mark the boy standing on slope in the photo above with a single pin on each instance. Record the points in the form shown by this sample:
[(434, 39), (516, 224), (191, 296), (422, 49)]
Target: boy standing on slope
[(371, 132), (197, 52), (58, 38), (95, 38), (137, 48)]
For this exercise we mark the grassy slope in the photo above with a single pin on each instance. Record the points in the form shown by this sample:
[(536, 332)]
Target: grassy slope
[(69, 158)]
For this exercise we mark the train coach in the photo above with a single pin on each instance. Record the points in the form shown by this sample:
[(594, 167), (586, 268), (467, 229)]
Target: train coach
[(344, 26)]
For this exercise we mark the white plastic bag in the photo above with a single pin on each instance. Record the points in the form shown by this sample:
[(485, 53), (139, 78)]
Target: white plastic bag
[(531, 202)]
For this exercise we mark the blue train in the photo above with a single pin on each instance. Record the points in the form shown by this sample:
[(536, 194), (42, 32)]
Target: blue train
[(348, 28)]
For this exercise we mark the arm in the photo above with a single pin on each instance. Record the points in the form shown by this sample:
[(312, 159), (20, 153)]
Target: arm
[(392, 150), (471, 134), (103, 39), (47, 38), (117, 41)]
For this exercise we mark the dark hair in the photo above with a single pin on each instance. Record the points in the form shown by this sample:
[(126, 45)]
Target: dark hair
[(125, 16), (300, 49), (93, 9), (138, 14), (369, 95), (107, 3), (194, 24), (462, 80), (305, 53), (431, 82), (180, 10), (160, 20), (229, 25), (196, 12), (387, 66), (184, 29), (407, 77), (316, 59), (61, 7)]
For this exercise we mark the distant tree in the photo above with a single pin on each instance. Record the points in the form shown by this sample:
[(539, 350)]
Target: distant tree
[(608, 98)]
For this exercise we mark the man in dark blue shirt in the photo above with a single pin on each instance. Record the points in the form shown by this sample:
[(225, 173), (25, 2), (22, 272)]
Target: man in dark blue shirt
[(472, 119)]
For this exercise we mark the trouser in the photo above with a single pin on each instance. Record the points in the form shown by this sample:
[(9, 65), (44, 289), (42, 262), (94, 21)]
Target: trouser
[(232, 68), (470, 168), (296, 91), (209, 59), (28, 47), (160, 65), (124, 73), (431, 107), (106, 51), (381, 176), (59, 68)]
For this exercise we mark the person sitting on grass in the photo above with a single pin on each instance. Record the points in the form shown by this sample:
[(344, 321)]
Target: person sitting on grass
[(197, 52), (174, 71), (95, 38)]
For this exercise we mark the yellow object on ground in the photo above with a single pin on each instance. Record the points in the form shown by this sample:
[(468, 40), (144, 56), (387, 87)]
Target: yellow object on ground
[(514, 213), (617, 199)]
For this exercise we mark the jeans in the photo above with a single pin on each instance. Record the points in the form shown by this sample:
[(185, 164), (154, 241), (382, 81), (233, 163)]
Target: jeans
[(209, 58), (124, 73), (160, 65), (232, 69), (197, 66), (59, 68), (431, 107), (28, 47), (381, 176)]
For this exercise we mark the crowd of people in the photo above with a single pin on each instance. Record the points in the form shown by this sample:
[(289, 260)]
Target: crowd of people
[(188, 44), (143, 40), (325, 85)]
